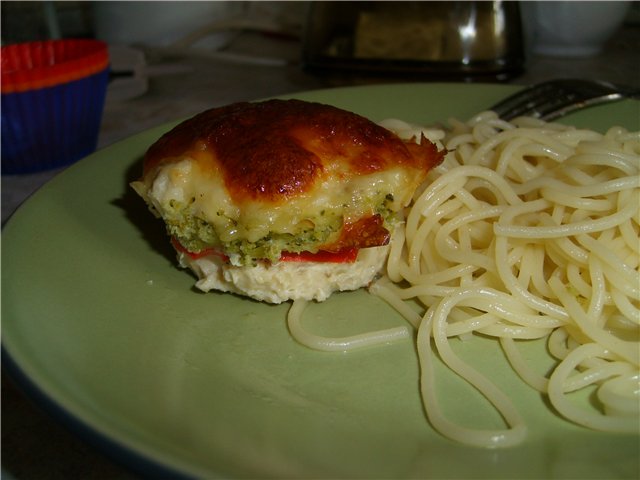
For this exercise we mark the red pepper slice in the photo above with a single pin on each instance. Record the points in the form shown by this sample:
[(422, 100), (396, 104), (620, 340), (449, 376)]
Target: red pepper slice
[(347, 255), (196, 255)]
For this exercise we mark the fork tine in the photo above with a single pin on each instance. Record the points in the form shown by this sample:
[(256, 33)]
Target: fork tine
[(552, 99), (522, 101)]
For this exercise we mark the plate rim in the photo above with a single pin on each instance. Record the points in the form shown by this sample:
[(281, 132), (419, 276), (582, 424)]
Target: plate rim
[(129, 454)]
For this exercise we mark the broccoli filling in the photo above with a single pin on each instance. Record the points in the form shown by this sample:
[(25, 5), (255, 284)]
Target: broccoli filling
[(197, 234)]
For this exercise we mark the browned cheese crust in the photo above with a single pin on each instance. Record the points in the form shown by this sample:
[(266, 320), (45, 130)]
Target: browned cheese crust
[(270, 151)]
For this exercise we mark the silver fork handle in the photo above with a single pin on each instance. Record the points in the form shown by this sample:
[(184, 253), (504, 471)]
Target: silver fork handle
[(553, 99)]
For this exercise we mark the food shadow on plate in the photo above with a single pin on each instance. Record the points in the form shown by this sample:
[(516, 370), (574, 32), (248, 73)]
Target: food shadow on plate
[(152, 229)]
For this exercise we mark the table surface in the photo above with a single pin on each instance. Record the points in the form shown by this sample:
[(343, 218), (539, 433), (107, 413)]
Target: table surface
[(36, 446)]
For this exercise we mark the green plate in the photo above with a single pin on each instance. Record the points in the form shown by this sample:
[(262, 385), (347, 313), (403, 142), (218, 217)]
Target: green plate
[(96, 315)]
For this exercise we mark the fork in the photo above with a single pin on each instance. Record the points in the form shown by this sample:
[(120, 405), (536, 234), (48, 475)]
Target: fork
[(553, 99)]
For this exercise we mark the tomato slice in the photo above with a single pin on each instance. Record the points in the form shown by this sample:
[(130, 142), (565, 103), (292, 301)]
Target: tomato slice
[(196, 255), (363, 233), (347, 255)]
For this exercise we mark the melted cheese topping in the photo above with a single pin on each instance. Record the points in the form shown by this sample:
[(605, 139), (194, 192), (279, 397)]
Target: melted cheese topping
[(185, 185), (254, 179)]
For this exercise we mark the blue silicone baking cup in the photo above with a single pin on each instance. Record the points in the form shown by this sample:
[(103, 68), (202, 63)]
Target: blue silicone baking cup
[(53, 94), (52, 127)]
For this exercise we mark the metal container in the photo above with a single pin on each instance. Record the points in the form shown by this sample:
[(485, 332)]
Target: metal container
[(441, 40)]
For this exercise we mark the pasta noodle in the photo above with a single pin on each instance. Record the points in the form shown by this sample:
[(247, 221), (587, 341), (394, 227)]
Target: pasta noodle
[(332, 344), (527, 230)]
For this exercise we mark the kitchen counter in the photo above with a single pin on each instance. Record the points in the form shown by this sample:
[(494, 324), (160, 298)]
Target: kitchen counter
[(178, 85)]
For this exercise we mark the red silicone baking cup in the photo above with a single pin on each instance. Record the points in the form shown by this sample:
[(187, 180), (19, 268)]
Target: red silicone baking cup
[(28, 66), (53, 95)]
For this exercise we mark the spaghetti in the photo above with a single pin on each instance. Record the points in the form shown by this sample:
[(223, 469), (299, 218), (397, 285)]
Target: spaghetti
[(527, 230)]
